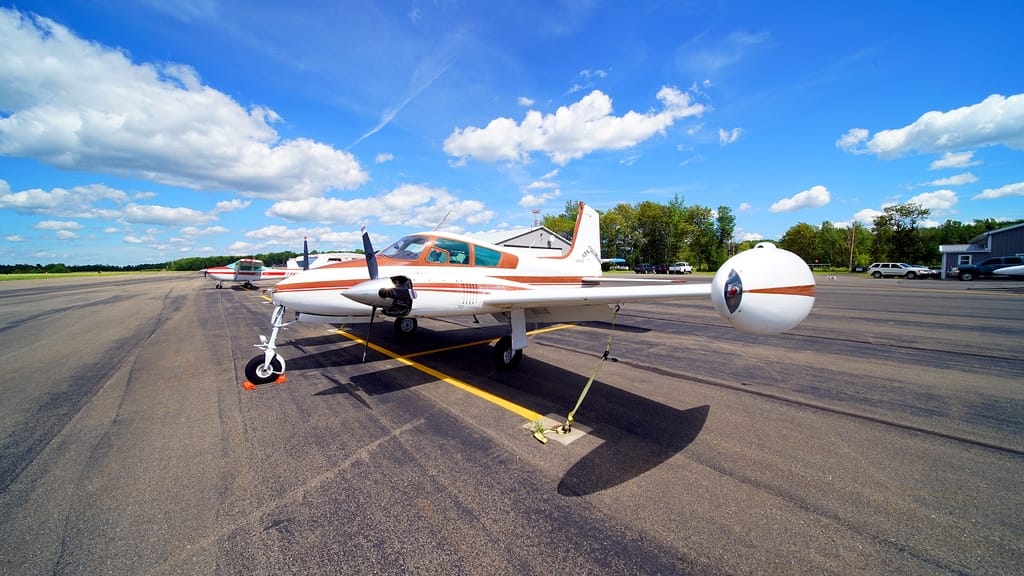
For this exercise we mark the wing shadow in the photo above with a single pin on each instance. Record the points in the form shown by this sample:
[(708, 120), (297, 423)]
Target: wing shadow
[(617, 461), (637, 433)]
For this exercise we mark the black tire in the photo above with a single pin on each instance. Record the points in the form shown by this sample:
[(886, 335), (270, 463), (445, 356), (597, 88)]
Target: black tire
[(911, 275), (504, 357), (406, 326), (876, 274), (255, 366), (966, 276)]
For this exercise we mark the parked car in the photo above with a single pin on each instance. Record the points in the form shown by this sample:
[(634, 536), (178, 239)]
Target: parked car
[(661, 268), (986, 268), (644, 268), (898, 269), (680, 268)]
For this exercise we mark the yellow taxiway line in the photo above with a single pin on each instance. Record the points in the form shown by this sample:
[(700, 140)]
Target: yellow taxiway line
[(493, 399)]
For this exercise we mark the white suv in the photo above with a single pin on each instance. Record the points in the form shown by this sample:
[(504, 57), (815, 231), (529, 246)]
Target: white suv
[(880, 269)]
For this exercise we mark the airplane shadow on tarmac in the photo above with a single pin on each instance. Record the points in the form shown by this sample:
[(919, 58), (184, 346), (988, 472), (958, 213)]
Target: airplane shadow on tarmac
[(637, 433)]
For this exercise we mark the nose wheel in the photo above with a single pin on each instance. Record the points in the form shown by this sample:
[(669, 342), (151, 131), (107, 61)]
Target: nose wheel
[(257, 373)]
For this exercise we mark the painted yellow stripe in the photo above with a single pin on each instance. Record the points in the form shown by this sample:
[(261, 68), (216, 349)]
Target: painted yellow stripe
[(488, 341), (493, 399)]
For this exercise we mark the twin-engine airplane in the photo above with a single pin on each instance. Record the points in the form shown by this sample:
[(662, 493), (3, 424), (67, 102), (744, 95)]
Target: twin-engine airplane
[(248, 270), (764, 290)]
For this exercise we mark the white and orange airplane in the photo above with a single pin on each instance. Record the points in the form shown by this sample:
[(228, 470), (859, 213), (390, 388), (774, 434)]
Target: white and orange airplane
[(764, 290), (245, 271)]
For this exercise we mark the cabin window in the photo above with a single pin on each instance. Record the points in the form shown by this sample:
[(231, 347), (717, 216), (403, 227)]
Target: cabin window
[(485, 256), (407, 248), (450, 251)]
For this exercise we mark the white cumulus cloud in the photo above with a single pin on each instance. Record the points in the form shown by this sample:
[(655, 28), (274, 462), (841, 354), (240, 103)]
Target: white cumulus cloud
[(408, 205), (997, 120), (571, 132), (1015, 189), (954, 160), (816, 197), (91, 108), (940, 202)]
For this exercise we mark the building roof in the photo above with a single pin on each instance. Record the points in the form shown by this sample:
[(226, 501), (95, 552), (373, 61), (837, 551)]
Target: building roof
[(509, 237), (983, 235)]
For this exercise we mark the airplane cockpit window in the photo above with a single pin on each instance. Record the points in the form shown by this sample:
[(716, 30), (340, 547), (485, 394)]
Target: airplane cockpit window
[(452, 251), (485, 256), (408, 248)]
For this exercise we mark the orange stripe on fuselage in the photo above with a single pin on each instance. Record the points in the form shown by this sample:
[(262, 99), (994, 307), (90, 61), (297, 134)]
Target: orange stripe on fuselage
[(807, 290)]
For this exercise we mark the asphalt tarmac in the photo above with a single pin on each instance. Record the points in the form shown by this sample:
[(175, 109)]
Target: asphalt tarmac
[(884, 435)]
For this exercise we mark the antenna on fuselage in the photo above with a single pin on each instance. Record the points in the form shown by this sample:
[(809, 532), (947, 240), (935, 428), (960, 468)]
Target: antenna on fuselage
[(442, 220)]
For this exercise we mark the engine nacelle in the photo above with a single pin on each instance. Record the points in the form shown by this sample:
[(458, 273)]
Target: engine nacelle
[(764, 290), (393, 296)]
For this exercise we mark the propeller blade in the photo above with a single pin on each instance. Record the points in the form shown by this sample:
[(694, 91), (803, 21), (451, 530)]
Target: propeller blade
[(305, 253), (371, 257), (369, 330)]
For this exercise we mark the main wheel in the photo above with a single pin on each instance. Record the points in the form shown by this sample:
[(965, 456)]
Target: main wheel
[(256, 373), (405, 326), (505, 358), (966, 276)]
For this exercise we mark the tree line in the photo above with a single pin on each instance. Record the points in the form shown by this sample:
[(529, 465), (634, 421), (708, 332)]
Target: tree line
[(60, 268), (663, 233)]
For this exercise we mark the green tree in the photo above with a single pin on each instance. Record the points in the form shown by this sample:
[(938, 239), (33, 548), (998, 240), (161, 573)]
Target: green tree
[(619, 235), (654, 223), (801, 240), (725, 227), (563, 224), (897, 236), (701, 236)]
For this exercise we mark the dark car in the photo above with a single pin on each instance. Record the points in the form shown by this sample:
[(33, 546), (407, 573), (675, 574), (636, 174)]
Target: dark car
[(661, 268), (985, 268), (644, 268)]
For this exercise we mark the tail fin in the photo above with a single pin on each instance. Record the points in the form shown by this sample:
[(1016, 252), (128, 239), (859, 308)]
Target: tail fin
[(585, 252)]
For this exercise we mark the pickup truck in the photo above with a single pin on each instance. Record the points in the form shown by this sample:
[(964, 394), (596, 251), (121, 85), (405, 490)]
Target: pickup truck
[(680, 268), (985, 268)]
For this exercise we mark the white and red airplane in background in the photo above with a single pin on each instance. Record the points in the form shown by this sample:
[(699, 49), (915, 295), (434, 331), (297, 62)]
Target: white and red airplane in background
[(764, 290), (245, 271)]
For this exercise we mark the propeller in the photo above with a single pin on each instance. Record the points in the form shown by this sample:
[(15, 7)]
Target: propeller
[(393, 295), (371, 267), (371, 256), (305, 253)]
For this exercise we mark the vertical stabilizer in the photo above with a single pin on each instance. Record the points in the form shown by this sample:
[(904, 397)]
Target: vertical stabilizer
[(585, 253)]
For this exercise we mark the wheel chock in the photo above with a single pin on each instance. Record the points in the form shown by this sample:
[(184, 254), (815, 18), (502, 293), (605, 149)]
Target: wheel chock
[(250, 386)]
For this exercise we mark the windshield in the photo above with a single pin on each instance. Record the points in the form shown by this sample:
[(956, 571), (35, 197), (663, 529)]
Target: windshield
[(407, 248)]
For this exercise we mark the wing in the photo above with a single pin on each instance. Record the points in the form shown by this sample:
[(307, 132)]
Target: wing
[(593, 295)]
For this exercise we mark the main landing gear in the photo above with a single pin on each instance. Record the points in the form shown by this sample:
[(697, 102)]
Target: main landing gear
[(504, 357)]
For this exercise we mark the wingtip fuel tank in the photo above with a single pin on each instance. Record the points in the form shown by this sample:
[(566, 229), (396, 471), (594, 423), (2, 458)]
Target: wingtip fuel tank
[(764, 290)]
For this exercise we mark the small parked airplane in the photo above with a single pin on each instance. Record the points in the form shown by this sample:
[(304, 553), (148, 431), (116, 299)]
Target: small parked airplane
[(764, 290), (248, 270)]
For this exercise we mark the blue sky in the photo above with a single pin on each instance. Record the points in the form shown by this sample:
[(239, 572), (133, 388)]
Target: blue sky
[(135, 132)]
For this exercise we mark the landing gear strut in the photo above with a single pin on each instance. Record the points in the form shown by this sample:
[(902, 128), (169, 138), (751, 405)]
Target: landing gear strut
[(269, 366)]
